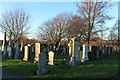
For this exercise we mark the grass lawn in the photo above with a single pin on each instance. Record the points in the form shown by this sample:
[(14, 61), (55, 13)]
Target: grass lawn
[(102, 68)]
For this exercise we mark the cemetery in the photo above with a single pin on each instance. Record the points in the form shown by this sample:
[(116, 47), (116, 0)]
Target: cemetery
[(81, 42), (38, 60)]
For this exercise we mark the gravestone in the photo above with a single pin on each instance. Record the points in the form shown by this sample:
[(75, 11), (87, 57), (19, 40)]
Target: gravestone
[(25, 54), (98, 51), (42, 64), (108, 50), (21, 50), (92, 53), (17, 51), (37, 52), (111, 50), (85, 53), (94, 49), (51, 58), (2, 47), (10, 50), (22, 46), (33, 47), (29, 52), (74, 58), (103, 50)]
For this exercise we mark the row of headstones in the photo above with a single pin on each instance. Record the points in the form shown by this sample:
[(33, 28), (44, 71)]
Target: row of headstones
[(74, 57), (10, 50), (15, 51), (89, 52)]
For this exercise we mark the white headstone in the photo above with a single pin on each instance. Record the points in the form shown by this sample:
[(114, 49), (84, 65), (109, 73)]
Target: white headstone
[(26, 54), (37, 51), (85, 53), (51, 58)]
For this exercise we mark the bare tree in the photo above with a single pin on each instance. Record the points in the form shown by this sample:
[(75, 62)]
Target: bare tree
[(55, 30), (93, 14), (113, 32), (15, 23), (77, 27)]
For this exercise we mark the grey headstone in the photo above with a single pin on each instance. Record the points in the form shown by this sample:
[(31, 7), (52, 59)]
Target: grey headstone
[(42, 64), (17, 51)]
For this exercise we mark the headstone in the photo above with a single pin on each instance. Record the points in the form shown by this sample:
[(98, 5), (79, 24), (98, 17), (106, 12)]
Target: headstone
[(94, 49), (92, 53), (37, 52), (2, 47), (98, 51), (22, 45), (42, 64), (33, 47), (29, 52), (51, 58), (109, 50), (10, 50), (21, 50), (85, 53), (103, 50), (74, 58), (25, 54), (17, 51)]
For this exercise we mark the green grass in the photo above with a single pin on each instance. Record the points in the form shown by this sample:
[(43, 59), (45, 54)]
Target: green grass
[(101, 68)]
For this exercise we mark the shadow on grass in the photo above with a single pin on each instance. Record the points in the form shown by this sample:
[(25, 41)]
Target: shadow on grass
[(101, 68)]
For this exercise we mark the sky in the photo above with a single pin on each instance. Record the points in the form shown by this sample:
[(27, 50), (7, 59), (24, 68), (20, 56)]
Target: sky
[(40, 12)]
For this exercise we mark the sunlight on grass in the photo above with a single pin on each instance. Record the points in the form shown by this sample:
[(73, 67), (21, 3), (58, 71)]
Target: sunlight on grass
[(101, 68)]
